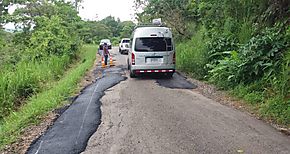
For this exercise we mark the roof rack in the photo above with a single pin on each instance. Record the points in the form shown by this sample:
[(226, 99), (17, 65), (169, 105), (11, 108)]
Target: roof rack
[(149, 25)]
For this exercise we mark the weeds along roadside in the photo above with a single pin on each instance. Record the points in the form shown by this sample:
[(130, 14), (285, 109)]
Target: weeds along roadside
[(51, 97), (256, 71)]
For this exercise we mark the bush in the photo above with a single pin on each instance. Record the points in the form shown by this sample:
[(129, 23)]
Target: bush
[(260, 58), (192, 55), (219, 46), (115, 41), (262, 55), (50, 37), (224, 74)]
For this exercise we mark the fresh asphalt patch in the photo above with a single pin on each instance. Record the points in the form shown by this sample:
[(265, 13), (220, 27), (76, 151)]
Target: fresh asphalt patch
[(72, 130), (176, 82)]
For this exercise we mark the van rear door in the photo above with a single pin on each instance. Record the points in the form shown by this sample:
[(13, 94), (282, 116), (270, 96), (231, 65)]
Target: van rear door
[(153, 51)]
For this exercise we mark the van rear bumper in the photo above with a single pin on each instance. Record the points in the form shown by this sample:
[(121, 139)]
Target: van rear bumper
[(146, 67), (168, 69), (154, 71)]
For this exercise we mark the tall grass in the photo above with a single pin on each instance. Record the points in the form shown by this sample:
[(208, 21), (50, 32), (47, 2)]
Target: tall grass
[(51, 97), (27, 77), (192, 55)]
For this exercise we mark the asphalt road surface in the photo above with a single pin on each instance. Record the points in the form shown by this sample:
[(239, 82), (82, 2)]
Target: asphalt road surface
[(154, 115), (146, 115)]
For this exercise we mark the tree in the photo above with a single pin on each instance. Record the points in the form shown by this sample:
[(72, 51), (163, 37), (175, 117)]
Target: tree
[(175, 13), (92, 31), (127, 29), (4, 4), (113, 24)]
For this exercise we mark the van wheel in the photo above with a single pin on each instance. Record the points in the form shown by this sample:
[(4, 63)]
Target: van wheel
[(128, 64), (168, 75), (132, 75)]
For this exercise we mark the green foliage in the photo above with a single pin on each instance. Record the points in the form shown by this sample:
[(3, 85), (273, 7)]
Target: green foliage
[(108, 28), (115, 41), (279, 83), (93, 31), (224, 74), (127, 29), (27, 78), (245, 32), (259, 58), (35, 56), (192, 56), (277, 109), (51, 97), (262, 55), (219, 46), (8, 52), (49, 38), (113, 25)]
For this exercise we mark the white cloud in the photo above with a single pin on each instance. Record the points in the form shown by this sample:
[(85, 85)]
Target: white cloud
[(122, 9)]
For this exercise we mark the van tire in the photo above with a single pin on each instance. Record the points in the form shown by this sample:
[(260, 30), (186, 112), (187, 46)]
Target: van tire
[(168, 75), (132, 75)]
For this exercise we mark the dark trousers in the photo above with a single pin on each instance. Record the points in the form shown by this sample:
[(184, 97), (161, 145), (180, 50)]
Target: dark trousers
[(106, 59)]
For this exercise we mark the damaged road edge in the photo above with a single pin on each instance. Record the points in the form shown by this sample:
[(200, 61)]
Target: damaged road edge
[(74, 127)]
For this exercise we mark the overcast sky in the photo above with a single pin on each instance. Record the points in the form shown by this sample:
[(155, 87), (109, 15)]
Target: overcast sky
[(91, 9), (122, 9)]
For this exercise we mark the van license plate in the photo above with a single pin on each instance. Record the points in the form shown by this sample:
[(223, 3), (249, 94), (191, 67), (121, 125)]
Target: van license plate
[(155, 60)]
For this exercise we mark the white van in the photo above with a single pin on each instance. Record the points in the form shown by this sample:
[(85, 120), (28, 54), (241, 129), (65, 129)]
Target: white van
[(151, 51)]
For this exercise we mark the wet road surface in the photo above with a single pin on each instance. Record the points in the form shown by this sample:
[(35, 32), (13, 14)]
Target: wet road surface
[(154, 115)]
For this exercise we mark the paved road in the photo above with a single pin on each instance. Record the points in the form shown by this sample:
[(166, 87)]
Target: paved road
[(148, 115), (153, 115), (72, 130)]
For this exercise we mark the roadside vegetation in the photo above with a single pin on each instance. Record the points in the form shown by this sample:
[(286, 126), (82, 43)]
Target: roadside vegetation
[(55, 95), (107, 28), (239, 45)]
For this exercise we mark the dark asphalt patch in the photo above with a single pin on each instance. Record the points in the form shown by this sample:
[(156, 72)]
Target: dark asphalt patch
[(176, 82), (72, 130)]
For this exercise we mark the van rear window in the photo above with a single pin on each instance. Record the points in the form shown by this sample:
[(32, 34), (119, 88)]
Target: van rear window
[(126, 41), (153, 44)]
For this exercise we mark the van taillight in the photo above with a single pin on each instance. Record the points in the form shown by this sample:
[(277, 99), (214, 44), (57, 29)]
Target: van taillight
[(133, 59), (173, 60)]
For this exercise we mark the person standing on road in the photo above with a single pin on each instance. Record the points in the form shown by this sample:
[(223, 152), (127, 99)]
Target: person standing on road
[(106, 53)]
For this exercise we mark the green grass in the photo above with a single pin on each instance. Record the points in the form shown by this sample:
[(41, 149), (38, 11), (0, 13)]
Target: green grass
[(191, 56), (26, 78), (275, 108), (40, 104)]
